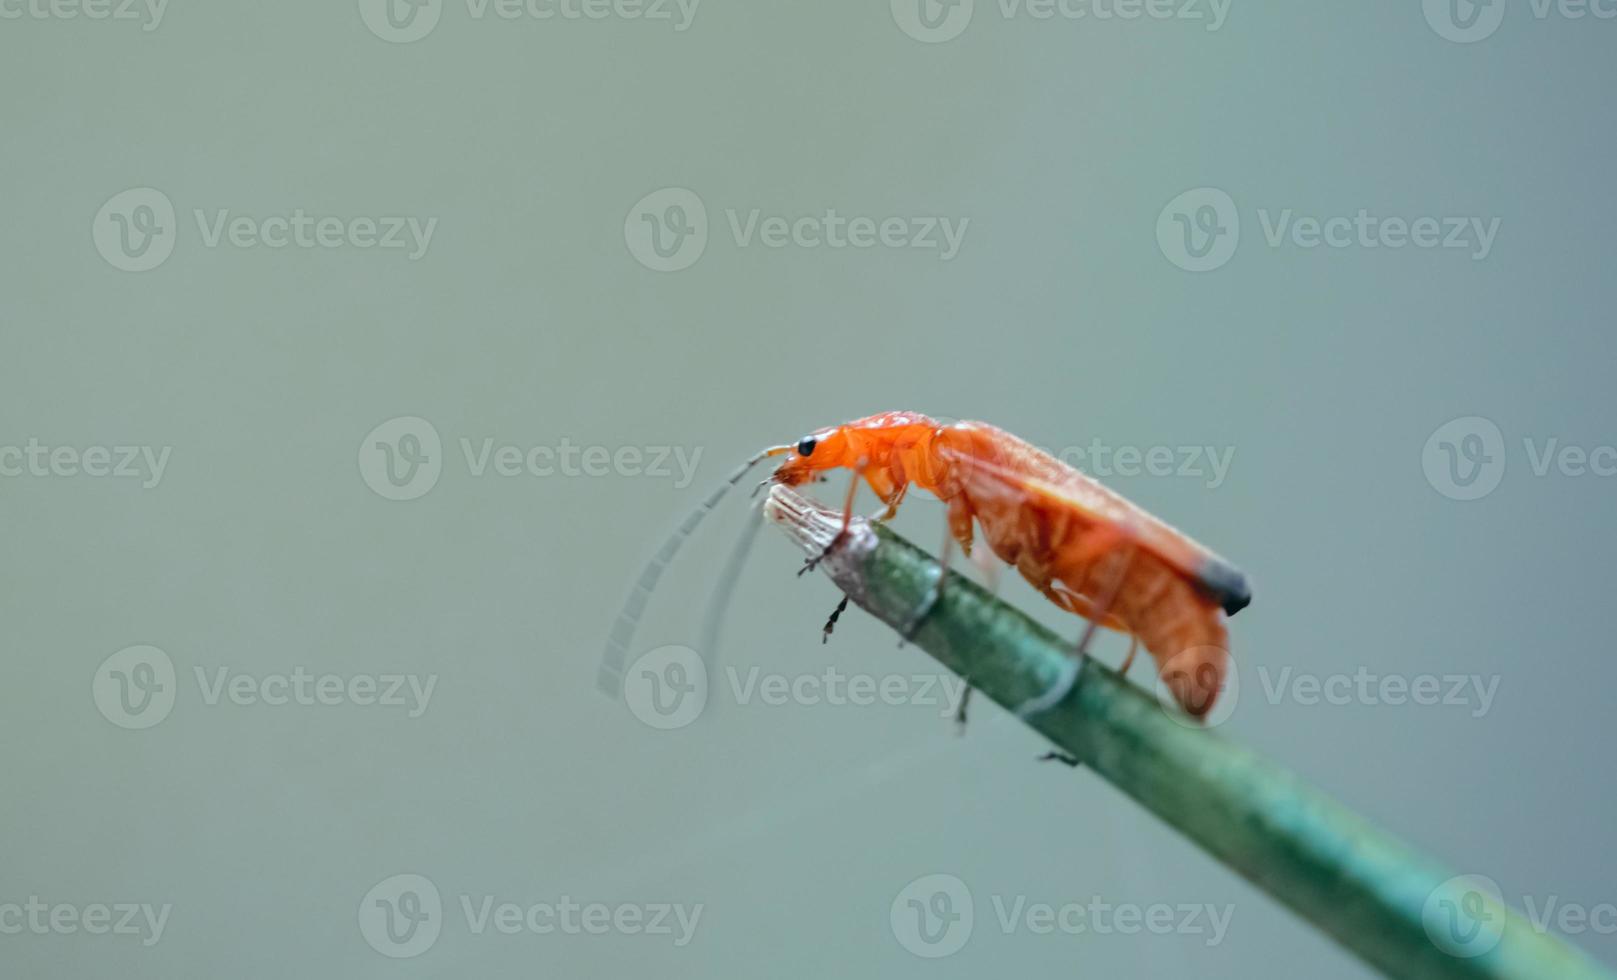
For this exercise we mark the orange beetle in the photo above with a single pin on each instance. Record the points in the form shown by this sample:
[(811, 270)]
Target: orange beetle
[(1089, 550)]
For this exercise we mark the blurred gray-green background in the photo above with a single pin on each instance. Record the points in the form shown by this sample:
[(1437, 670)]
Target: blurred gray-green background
[(630, 258)]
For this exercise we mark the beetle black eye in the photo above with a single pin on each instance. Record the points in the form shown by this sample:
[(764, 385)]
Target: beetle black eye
[(806, 447)]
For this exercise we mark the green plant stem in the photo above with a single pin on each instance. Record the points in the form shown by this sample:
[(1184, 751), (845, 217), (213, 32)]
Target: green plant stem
[(1359, 885)]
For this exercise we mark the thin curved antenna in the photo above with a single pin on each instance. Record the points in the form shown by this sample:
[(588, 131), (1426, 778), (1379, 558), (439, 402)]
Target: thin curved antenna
[(610, 676), (724, 588)]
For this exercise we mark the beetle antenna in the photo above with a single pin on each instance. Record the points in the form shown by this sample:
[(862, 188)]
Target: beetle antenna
[(724, 588), (610, 676)]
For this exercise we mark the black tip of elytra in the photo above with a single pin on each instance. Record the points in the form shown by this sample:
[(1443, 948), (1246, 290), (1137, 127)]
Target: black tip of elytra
[(1225, 585)]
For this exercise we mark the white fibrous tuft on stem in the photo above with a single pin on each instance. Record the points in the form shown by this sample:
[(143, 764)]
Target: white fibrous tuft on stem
[(814, 527)]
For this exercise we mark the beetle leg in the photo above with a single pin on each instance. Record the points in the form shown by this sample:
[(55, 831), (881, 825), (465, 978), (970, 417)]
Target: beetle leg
[(960, 710), (831, 624), (1098, 615), (847, 521), (1080, 605), (1134, 646), (1104, 606), (890, 484), (892, 501), (1075, 603), (957, 528)]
